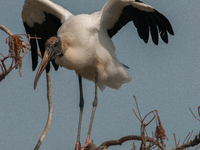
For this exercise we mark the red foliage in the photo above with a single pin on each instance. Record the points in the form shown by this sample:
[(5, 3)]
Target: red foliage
[(15, 48)]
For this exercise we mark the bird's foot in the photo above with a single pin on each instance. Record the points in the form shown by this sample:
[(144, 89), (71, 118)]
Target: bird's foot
[(87, 140), (78, 146)]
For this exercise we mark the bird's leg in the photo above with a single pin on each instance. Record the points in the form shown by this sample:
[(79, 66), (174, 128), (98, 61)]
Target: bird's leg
[(93, 110), (81, 104)]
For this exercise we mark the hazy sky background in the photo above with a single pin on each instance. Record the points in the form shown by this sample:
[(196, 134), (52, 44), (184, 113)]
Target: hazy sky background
[(164, 77)]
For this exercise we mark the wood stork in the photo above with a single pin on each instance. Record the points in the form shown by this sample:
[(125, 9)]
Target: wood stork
[(83, 42)]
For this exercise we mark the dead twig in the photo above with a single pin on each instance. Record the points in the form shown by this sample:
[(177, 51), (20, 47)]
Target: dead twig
[(134, 147), (186, 138), (193, 113), (137, 107), (175, 140), (143, 124), (159, 132), (191, 143)]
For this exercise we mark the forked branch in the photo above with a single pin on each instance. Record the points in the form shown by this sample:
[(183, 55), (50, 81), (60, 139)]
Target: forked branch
[(15, 48), (16, 45)]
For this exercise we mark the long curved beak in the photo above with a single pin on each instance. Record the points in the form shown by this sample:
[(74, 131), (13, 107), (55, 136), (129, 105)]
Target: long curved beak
[(48, 55)]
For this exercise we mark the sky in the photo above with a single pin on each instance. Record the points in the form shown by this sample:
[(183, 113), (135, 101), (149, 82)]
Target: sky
[(164, 77)]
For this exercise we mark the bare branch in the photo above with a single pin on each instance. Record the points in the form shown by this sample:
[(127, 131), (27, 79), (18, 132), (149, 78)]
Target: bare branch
[(191, 143), (159, 133), (190, 136), (50, 112), (137, 116), (137, 106), (186, 138), (106, 144), (151, 119), (179, 140), (9, 32), (194, 115), (175, 140)]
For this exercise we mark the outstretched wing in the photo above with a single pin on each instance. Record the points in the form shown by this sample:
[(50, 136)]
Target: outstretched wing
[(42, 18), (117, 13)]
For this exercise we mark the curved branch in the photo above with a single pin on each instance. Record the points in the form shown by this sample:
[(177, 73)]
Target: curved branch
[(194, 115), (9, 32), (106, 144), (50, 112), (27, 46)]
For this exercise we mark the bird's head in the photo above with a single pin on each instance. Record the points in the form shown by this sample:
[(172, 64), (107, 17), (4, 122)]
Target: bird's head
[(53, 49)]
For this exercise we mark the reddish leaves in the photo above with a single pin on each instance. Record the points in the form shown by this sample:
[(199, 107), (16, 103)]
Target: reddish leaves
[(160, 131), (16, 45), (15, 48)]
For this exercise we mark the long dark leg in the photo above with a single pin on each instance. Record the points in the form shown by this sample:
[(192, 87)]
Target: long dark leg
[(95, 102), (81, 104)]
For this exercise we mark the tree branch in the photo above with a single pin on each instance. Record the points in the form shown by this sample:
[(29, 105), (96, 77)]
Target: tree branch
[(106, 144), (15, 48), (50, 112), (191, 143), (16, 45), (194, 115), (9, 32)]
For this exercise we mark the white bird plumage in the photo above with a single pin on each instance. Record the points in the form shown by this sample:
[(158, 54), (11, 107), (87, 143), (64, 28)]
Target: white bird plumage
[(90, 48), (83, 42)]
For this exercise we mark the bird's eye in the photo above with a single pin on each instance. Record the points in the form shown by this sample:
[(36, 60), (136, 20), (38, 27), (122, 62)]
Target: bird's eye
[(55, 44)]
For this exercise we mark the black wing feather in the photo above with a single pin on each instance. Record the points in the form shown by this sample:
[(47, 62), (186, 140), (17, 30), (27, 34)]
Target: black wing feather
[(30, 30), (144, 21), (45, 30), (146, 28), (153, 28), (163, 21)]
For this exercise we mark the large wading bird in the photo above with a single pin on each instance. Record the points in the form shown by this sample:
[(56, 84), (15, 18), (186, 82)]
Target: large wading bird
[(83, 42)]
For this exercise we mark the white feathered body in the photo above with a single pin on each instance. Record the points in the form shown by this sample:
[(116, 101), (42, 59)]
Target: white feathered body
[(91, 50), (86, 38)]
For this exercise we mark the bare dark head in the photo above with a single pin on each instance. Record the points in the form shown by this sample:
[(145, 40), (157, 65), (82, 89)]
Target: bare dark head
[(53, 48)]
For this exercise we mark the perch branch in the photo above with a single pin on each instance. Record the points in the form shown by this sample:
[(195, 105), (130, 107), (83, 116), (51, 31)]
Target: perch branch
[(9, 32), (5, 71), (50, 112), (106, 144)]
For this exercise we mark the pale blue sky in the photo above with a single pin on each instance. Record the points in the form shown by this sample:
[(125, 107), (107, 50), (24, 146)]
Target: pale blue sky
[(164, 77)]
